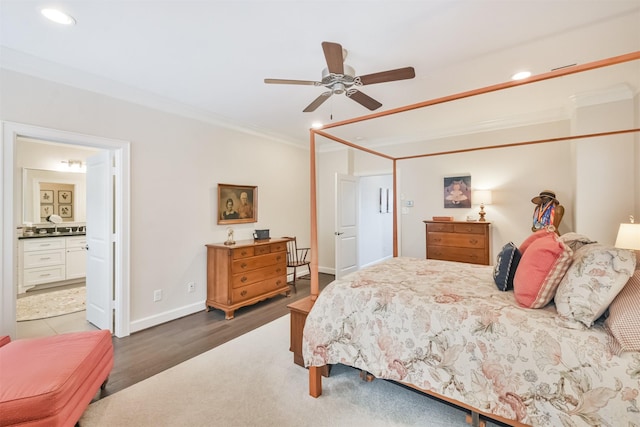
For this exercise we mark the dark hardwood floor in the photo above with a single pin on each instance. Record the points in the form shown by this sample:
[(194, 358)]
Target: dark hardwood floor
[(148, 352)]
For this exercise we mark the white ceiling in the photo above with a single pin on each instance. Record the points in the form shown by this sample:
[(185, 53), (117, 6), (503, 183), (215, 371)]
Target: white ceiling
[(208, 59)]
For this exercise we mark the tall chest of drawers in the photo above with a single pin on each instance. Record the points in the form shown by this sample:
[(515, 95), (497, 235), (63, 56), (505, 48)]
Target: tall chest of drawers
[(459, 241), (245, 273)]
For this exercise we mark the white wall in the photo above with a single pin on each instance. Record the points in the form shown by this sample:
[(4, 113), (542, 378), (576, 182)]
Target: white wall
[(376, 241), (176, 164)]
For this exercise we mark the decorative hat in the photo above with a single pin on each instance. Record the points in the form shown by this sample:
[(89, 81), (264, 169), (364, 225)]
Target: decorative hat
[(546, 194)]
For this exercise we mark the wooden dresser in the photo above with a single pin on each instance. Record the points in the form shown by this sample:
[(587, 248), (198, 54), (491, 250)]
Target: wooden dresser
[(459, 241), (245, 273)]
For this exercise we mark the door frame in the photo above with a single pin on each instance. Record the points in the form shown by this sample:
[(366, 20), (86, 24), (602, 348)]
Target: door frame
[(121, 210)]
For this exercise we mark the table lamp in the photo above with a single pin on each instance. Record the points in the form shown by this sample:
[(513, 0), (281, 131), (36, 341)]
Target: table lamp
[(629, 238), (484, 196)]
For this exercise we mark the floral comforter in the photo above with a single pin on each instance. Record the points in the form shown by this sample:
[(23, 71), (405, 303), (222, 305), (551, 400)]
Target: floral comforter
[(444, 326)]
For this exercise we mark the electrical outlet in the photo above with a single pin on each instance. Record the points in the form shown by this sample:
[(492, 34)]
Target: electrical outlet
[(157, 295), (191, 287)]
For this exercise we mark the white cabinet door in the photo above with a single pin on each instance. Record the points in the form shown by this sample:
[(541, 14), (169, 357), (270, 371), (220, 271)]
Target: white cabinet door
[(76, 257)]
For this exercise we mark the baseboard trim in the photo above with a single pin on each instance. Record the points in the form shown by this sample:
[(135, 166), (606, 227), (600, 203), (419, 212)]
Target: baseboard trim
[(167, 316)]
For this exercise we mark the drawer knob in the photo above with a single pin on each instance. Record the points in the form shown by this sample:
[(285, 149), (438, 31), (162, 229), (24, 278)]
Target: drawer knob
[(243, 293), (243, 252), (437, 239), (244, 279), (473, 241), (278, 270), (243, 265), (44, 258), (278, 282)]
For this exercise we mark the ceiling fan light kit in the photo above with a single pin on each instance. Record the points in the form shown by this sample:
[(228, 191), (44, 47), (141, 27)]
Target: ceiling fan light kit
[(341, 78)]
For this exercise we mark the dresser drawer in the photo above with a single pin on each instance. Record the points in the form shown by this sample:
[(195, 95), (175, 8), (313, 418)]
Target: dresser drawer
[(256, 289), (248, 277), (444, 228), (36, 276), (456, 240), (472, 256), (44, 243), (44, 258), (248, 264), (243, 252), (469, 228)]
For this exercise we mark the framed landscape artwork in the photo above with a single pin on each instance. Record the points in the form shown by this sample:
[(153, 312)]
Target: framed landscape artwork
[(237, 204)]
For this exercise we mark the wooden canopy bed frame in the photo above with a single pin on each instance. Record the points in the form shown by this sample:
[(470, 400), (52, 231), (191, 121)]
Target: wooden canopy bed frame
[(315, 377)]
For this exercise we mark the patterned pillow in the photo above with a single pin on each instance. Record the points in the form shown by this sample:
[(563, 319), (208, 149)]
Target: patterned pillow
[(540, 270), (597, 275), (575, 241), (505, 267), (623, 322)]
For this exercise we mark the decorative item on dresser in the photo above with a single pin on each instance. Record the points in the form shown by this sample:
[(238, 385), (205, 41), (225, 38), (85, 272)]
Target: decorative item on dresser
[(459, 241), (245, 273)]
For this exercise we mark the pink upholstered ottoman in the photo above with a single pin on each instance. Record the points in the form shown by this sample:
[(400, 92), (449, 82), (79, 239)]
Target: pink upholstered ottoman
[(50, 381)]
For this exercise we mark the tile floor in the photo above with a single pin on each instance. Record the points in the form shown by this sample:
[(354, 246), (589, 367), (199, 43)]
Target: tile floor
[(54, 325)]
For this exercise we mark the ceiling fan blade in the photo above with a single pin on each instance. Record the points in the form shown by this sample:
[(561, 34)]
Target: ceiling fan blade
[(317, 102), (363, 99), (333, 55), (292, 82), (388, 76)]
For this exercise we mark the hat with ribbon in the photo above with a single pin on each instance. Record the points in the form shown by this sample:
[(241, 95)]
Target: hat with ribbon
[(544, 196)]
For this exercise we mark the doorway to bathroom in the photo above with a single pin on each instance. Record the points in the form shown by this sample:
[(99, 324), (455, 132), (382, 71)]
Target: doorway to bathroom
[(110, 296)]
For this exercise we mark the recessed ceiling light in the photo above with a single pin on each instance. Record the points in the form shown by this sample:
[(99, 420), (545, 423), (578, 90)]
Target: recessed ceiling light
[(521, 75), (316, 125), (58, 16)]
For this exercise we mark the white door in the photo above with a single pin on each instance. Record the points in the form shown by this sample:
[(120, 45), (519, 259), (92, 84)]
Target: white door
[(346, 224), (99, 253)]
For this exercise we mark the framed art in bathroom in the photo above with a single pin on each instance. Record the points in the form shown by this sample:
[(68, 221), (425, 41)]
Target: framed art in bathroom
[(65, 211), (46, 196), (237, 204), (65, 196)]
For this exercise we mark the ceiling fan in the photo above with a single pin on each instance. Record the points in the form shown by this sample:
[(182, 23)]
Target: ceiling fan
[(340, 78)]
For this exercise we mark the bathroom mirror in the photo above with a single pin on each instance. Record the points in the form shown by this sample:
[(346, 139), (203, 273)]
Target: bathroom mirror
[(47, 192)]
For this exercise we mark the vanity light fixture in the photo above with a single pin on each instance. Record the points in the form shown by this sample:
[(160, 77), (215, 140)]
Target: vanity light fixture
[(521, 75), (58, 16), (73, 163)]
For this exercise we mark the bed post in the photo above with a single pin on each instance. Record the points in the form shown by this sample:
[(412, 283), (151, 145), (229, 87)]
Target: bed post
[(395, 210), (315, 377), (313, 267)]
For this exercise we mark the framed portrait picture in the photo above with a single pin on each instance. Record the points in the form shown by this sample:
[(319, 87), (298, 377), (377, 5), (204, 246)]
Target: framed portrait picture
[(457, 191), (46, 210), (237, 204), (65, 196), (46, 196), (65, 211)]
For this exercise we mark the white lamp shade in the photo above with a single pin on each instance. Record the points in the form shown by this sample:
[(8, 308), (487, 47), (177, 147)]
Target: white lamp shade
[(482, 197), (628, 236)]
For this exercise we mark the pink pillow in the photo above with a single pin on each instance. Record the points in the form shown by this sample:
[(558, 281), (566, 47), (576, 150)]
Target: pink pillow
[(540, 270), (532, 238)]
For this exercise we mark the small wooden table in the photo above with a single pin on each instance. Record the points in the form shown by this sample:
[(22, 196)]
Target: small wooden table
[(299, 311)]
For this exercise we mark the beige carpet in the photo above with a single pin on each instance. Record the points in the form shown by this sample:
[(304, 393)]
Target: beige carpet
[(252, 381), (50, 304)]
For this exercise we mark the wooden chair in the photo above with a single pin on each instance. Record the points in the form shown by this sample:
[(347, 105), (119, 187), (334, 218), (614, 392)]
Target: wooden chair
[(296, 257)]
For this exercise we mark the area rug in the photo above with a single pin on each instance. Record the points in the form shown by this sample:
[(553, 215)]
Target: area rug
[(50, 304), (252, 381)]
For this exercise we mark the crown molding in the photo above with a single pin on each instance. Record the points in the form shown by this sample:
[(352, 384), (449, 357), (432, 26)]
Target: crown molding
[(23, 63)]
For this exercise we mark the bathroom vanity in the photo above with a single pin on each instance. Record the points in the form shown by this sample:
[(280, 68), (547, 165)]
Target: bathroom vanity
[(51, 260)]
